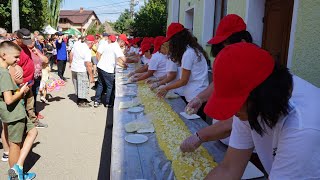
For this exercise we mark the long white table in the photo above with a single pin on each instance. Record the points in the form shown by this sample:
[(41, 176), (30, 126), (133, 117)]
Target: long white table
[(147, 160)]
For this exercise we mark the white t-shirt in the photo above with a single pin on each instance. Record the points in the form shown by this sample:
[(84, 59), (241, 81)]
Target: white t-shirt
[(102, 43), (198, 80), (158, 63), (291, 150), (145, 60), (110, 53), (81, 54), (173, 67), (134, 50)]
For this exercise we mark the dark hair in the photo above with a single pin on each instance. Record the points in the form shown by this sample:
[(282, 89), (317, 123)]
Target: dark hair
[(139, 43), (270, 100), (51, 39), (178, 45), (151, 49), (234, 38)]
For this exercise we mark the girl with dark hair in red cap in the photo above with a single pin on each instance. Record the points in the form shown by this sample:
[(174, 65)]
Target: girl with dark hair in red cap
[(187, 53)]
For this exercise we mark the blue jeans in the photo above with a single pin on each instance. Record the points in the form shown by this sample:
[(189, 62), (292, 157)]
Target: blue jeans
[(105, 80)]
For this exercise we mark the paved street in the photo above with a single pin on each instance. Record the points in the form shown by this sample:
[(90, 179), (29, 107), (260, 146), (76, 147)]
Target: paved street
[(76, 143)]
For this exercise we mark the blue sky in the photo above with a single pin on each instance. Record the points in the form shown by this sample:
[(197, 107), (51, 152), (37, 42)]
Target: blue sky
[(105, 9)]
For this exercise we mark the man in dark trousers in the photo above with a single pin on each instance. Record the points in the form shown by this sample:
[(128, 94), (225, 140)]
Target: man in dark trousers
[(61, 55)]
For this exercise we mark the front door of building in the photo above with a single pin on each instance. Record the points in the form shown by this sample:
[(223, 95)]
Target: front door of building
[(277, 28)]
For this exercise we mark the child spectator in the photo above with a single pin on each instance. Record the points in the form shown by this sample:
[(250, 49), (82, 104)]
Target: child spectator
[(49, 52), (16, 75), (44, 80), (13, 114)]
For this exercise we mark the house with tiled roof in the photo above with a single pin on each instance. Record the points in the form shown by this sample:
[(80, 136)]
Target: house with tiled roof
[(79, 19)]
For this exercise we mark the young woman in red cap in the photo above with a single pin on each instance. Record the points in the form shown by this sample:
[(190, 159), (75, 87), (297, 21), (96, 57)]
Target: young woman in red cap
[(231, 29), (157, 64), (185, 51), (145, 59), (285, 134), (173, 73)]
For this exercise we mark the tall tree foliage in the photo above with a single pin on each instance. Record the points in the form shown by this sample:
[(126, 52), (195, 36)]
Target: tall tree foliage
[(151, 20), (95, 29), (33, 14), (124, 22), (53, 12)]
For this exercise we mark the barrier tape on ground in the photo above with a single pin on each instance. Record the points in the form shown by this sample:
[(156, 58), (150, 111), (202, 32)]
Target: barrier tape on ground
[(170, 133)]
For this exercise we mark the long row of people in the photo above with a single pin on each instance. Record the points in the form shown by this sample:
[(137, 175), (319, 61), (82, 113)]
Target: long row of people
[(256, 109)]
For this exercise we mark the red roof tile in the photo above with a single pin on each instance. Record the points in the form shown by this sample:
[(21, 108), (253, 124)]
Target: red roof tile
[(77, 17)]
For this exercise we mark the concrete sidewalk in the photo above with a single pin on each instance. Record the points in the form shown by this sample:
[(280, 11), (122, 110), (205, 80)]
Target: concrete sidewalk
[(76, 145)]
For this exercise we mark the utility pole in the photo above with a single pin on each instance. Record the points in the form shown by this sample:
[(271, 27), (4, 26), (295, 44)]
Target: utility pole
[(15, 15)]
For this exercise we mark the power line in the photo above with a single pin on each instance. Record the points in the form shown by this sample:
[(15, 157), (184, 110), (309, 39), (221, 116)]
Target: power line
[(110, 13), (109, 4)]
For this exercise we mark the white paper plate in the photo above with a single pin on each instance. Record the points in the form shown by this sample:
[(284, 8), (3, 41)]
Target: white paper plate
[(125, 82), (130, 94), (123, 71), (131, 85), (136, 138), (187, 116), (149, 130), (123, 78), (135, 109)]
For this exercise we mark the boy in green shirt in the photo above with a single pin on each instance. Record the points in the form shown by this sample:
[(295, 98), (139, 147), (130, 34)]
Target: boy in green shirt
[(13, 114)]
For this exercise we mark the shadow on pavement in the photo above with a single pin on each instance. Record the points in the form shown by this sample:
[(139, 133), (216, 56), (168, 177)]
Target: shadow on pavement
[(31, 159), (57, 98), (104, 168), (40, 106), (73, 97)]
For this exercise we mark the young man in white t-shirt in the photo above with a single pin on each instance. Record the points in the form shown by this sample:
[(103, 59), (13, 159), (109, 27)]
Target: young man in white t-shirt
[(80, 60), (107, 57), (285, 134)]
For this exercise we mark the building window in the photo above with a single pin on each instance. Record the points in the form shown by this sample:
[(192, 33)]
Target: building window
[(219, 12)]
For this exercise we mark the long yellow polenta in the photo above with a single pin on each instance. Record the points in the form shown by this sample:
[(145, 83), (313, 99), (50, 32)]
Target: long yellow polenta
[(170, 132)]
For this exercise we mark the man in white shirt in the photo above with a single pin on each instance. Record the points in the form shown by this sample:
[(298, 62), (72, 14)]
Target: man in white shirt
[(107, 57), (80, 60), (285, 134), (104, 40)]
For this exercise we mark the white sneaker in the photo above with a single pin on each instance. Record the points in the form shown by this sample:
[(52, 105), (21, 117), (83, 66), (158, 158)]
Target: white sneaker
[(43, 99), (5, 157)]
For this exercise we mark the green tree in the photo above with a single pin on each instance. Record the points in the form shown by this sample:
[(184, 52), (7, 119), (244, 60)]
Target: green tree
[(53, 12), (33, 14), (124, 22), (96, 29), (151, 20)]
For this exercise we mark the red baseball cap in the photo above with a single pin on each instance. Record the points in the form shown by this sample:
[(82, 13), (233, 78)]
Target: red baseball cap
[(238, 69), (158, 41), (90, 38), (145, 40), (151, 40), (173, 29), (123, 37), (136, 40), (112, 38), (145, 48), (228, 25)]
